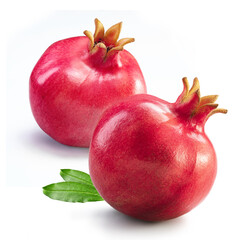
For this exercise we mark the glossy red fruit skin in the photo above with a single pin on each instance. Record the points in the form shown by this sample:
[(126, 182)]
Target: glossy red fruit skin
[(70, 88), (149, 161)]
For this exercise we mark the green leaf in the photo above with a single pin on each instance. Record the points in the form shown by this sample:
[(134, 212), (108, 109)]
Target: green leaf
[(70, 175), (72, 192)]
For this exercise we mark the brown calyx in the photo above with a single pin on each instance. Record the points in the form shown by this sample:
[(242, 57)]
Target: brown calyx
[(108, 40), (192, 104)]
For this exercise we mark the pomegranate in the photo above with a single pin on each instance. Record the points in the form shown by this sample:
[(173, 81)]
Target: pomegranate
[(151, 159), (77, 78)]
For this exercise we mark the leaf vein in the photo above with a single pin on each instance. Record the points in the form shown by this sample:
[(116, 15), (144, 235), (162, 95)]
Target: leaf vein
[(89, 182), (72, 191)]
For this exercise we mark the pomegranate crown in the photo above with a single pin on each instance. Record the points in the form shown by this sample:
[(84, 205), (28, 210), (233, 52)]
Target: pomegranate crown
[(107, 40), (191, 104)]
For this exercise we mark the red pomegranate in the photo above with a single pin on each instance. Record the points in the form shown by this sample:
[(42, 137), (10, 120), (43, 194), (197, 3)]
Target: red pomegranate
[(151, 159), (77, 78)]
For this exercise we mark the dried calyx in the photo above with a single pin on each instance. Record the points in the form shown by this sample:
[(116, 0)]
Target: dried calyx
[(107, 40), (191, 104)]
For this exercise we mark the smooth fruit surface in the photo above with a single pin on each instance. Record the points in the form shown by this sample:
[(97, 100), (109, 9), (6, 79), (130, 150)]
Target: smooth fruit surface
[(77, 78), (151, 159)]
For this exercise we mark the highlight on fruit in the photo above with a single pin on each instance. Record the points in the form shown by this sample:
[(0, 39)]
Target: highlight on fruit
[(149, 159)]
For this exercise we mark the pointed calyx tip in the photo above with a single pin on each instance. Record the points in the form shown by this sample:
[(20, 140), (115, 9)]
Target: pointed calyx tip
[(190, 103), (109, 38)]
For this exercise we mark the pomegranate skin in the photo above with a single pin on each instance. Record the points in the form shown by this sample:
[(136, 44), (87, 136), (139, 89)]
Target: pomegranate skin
[(70, 88), (149, 160)]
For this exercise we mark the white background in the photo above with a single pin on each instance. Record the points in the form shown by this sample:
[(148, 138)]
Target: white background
[(208, 39)]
